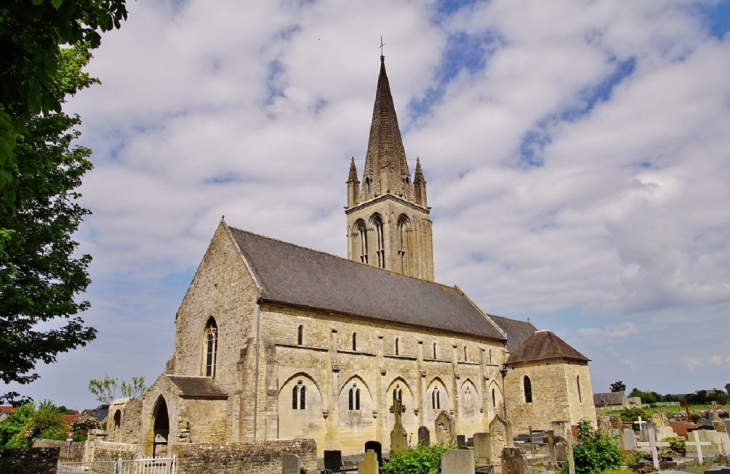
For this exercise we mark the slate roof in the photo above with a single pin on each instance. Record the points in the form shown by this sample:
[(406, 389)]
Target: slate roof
[(298, 276), (197, 387), (544, 345), (517, 331), (609, 399)]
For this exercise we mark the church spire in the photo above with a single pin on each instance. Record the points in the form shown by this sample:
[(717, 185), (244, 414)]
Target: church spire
[(386, 169), (353, 185), (419, 186)]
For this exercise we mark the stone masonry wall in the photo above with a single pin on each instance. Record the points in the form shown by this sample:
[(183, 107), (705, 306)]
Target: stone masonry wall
[(76, 453), (108, 451), (29, 461), (251, 458)]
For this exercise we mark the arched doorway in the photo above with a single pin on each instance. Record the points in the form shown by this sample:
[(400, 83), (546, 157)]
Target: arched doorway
[(161, 429)]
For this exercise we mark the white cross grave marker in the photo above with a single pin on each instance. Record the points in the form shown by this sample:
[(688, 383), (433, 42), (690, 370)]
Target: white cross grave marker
[(699, 445), (640, 422), (652, 444)]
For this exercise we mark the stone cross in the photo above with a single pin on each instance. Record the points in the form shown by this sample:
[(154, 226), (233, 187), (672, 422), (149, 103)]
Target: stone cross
[(686, 410), (699, 445), (397, 409), (715, 416), (640, 422), (653, 445)]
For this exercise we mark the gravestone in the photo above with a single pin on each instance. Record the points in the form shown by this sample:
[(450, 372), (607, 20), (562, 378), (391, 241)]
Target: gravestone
[(500, 437), (369, 465), (656, 418), (333, 460), (629, 440), (706, 423), (694, 448), (290, 464), (551, 449), (513, 461), (727, 425), (644, 433), (482, 449), (461, 441), (652, 444), (377, 448), (424, 436), (399, 436), (457, 461), (445, 428)]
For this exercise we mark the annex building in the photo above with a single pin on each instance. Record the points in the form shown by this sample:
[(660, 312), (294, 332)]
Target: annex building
[(276, 341)]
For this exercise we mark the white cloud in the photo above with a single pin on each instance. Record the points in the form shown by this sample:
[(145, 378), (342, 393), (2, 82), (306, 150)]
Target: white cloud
[(253, 110)]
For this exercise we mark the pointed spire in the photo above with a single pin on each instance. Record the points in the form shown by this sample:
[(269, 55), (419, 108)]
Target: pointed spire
[(418, 178), (352, 178), (386, 169)]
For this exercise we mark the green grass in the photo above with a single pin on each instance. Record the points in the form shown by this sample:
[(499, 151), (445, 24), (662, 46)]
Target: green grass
[(672, 409)]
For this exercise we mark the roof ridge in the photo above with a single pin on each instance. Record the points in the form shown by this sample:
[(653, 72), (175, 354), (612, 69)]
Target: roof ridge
[(444, 285), (516, 320)]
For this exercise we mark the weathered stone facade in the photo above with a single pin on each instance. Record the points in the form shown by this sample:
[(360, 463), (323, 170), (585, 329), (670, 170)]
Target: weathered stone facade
[(279, 342), (29, 461)]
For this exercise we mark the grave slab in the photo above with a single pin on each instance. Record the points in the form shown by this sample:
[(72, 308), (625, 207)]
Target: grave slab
[(290, 464), (482, 448), (458, 461), (369, 465)]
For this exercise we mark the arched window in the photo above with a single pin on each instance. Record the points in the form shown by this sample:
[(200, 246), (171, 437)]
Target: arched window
[(354, 341), (299, 396), (354, 398), (490, 356), (434, 350), (363, 232), (436, 399), (464, 353), (367, 185), (357, 399), (351, 400), (211, 347), (577, 381), (494, 400), (403, 242), (117, 425), (396, 346), (528, 389), (300, 335), (398, 394), (380, 239)]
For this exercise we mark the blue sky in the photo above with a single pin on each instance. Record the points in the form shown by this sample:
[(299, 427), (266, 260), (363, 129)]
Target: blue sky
[(576, 154)]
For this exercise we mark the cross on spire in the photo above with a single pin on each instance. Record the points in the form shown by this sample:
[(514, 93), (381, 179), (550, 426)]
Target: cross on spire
[(381, 48)]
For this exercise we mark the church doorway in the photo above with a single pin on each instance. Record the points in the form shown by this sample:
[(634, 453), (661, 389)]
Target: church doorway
[(161, 429)]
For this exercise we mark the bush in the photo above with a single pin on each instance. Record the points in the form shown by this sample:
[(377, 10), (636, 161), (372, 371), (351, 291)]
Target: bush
[(676, 444), (596, 452), (633, 414), (419, 460)]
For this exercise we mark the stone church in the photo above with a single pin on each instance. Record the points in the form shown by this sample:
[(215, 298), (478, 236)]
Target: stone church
[(276, 341)]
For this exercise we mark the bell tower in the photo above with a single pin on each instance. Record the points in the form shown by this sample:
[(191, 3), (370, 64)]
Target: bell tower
[(388, 224)]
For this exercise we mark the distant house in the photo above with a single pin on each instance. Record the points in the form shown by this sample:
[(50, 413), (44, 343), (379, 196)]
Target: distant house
[(5, 410), (100, 412), (610, 399)]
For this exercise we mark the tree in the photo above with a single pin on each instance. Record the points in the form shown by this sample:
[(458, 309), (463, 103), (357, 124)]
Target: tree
[(40, 275), (618, 386), (106, 390), (29, 421), (32, 37), (597, 452)]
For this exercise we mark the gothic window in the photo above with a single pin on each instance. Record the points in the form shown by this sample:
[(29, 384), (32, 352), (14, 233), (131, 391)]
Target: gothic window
[(434, 350), (494, 400), (354, 398), (380, 239), (299, 396), (354, 341), (403, 243), (490, 356), (363, 233), (398, 394), (396, 346), (577, 381), (464, 353), (436, 399), (528, 389), (300, 335), (211, 347), (367, 185)]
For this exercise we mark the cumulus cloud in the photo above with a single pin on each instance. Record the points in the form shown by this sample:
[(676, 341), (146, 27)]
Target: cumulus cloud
[(576, 155)]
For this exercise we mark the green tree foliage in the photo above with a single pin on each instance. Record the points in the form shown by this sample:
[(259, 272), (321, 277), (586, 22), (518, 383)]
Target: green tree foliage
[(618, 386), (419, 460), (677, 444), (29, 422), (106, 390), (40, 275), (646, 397), (633, 414), (32, 36), (596, 452), (84, 423)]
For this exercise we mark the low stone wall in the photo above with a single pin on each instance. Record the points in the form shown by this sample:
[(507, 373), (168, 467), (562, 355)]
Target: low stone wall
[(108, 451), (29, 461), (252, 458), (76, 453)]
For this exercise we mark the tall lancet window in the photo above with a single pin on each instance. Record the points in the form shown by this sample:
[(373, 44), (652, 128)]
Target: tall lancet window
[(380, 236), (211, 347), (403, 243), (362, 231), (528, 389)]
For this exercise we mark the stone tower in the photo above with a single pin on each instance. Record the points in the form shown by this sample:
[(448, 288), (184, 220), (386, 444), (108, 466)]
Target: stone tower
[(388, 224)]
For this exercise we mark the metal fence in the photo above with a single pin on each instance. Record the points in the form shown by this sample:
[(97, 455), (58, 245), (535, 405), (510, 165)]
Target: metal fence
[(133, 466)]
